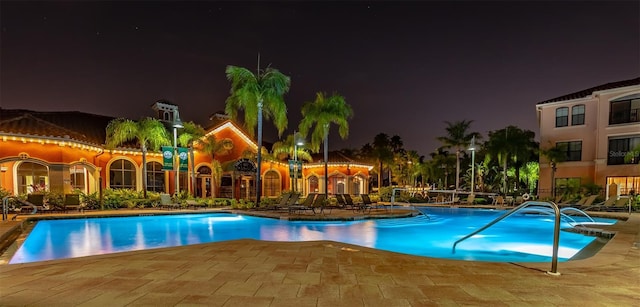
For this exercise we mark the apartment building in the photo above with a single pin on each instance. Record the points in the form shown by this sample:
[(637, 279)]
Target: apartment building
[(599, 130)]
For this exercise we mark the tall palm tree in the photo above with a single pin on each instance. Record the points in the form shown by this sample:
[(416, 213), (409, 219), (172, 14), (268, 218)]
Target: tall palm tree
[(321, 113), (260, 94), (189, 134), (148, 132), (555, 155), (458, 138)]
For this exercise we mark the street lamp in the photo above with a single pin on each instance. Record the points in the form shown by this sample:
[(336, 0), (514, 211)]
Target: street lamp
[(472, 147), (177, 123), (297, 141)]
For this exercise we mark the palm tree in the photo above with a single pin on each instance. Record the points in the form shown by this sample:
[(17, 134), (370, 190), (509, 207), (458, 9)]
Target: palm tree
[(149, 133), (382, 152), (531, 172), (189, 134), (458, 138), (555, 155), (512, 144), (260, 94), (287, 149), (284, 149), (322, 112), (210, 145)]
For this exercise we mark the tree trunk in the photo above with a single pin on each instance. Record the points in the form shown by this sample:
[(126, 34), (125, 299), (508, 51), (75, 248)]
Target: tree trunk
[(144, 171), (326, 161), (457, 169), (553, 178), (259, 162), (504, 176), (193, 171), (379, 175)]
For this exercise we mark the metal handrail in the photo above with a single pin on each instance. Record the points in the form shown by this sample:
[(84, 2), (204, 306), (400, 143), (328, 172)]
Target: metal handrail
[(5, 206), (556, 230)]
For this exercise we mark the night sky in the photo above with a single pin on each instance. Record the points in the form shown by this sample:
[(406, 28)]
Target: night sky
[(405, 68)]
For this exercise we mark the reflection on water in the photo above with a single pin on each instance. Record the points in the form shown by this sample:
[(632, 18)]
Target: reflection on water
[(522, 239)]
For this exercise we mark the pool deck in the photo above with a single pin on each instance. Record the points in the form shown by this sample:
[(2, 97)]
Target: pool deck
[(319, 273)]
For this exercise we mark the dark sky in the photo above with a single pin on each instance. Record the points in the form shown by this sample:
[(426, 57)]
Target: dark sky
[(405, 68)]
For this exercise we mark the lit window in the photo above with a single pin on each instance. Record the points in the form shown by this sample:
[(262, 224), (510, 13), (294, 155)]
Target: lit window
[(271, 183), (313, 184), (78, 175), (32, 177), (155, 177), (122, 175)]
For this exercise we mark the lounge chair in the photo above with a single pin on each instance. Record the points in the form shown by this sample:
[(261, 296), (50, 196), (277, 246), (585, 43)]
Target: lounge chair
[(282, 203), (366, 201), (470, 199), (33, 203), (589, 202), (72, 202), (356, 206), (621, 204), (167, 203), (498, 201), (318, 204), (194, 204), (292, 201), (304, 205), (341, 204), (599, 206), (575, 204)]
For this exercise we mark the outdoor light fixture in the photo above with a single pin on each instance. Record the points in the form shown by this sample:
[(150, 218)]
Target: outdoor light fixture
[(297, 141), (472, 147), (177, 123)]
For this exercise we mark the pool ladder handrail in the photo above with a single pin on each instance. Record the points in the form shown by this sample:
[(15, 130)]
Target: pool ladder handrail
[(5, 206), (556, 230)]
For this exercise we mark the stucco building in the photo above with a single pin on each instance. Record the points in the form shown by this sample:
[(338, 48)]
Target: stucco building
[(599, 130), (63, 151)]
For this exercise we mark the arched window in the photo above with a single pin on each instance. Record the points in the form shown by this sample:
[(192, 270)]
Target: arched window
[(122, 175), (155, 177), (337, 184), (78, 174), (204, 170), (271, 183), (32, 177), (577, 115), (313, 184), (562, 117), (357, 185)]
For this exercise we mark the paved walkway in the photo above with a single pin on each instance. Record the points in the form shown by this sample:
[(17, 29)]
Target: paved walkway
[(322, 273)]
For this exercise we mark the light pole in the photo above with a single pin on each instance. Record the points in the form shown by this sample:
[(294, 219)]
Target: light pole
[(472, 147), (297, 141), (177, 123)]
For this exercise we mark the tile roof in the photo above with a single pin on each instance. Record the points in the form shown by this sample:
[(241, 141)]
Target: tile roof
[(334, 157), (78, 126), (589, 91)]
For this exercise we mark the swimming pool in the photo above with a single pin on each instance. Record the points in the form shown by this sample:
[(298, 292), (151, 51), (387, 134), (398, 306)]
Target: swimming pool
[(519, 238)]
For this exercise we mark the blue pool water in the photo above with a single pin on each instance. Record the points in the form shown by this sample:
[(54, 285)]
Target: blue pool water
[(519, 238)]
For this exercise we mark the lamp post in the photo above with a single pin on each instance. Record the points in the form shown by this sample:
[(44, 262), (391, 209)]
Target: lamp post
[(177, 123), (297, 141), (472, 147)]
